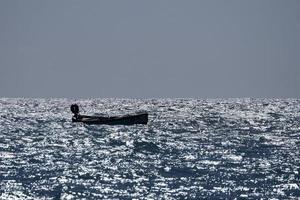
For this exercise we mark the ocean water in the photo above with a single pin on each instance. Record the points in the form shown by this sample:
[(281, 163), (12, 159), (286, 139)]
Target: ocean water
[(190, 149)]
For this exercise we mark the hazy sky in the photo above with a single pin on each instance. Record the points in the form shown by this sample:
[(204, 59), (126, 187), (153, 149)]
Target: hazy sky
[(150, 49)]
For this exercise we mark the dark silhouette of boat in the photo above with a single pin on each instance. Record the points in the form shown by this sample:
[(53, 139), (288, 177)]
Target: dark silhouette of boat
[(141, 118)]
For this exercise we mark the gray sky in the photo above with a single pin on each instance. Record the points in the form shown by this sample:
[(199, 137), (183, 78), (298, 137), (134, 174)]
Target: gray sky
[(150, 49)]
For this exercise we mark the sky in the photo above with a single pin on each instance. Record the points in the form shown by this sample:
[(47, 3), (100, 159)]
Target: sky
[(150, 49)]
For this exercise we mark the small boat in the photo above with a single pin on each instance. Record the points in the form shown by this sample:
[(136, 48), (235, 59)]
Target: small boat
[(141, 118)]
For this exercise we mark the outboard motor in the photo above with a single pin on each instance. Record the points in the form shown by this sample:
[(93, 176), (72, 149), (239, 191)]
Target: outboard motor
[(75, 109)]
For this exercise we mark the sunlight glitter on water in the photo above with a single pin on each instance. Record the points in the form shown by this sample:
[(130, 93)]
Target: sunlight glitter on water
[(191, 148)]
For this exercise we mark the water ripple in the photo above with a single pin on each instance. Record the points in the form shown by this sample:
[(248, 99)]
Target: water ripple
[(191, 148)]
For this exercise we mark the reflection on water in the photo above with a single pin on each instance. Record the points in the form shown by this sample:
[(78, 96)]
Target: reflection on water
[(234, 148)]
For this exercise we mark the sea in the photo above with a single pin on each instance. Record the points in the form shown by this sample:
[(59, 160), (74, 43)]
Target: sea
[(190, 149)]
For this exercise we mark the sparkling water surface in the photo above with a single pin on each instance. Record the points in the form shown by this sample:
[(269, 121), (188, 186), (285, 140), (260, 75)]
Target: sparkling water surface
[(190, 149)]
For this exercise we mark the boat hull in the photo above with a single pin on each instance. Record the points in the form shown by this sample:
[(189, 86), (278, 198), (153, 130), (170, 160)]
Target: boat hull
[(118, 120)]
